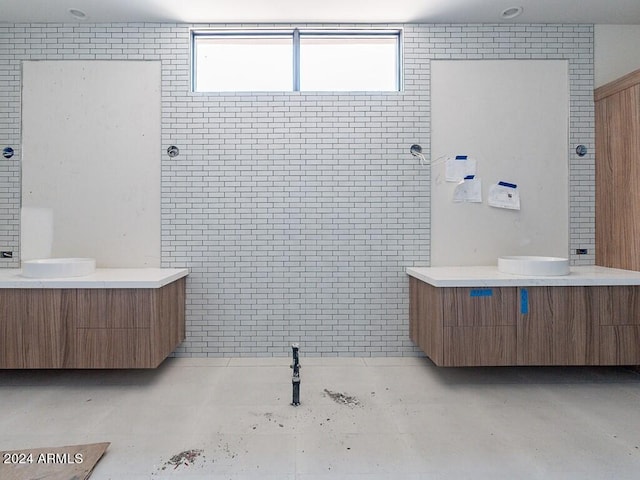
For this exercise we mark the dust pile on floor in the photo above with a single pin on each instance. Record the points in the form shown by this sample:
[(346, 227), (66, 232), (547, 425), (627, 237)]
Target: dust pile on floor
[(185, 458), (342, 399)]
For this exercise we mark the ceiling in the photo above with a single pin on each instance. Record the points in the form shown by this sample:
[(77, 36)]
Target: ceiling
[(321, 11)]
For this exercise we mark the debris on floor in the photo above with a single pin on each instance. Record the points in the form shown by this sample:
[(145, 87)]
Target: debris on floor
[(342, 399), (269, 416), (229, 453), (185, 458)]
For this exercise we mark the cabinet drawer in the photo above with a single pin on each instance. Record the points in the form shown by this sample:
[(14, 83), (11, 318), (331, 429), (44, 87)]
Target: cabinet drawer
[(556, 327), (479, 307), (619, 305), (113, 348), (479, 346), (116, 308), (34, 328), (620, 345)]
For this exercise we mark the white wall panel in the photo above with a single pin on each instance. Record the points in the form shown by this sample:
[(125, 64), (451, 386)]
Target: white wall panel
[(512, 117), (91, 152)]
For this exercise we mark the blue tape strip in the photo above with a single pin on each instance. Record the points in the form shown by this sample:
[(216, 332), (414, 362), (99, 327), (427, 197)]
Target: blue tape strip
[(469, 177), (481, 292), (461, 157), (524, 301), (507, 184)]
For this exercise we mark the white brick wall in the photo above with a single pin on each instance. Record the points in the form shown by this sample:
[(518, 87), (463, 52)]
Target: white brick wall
[(297, 213)]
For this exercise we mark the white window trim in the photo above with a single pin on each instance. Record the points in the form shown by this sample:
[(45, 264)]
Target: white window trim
[(296, 33)]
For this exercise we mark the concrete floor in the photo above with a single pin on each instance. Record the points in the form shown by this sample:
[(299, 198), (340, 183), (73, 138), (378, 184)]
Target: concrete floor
[(360, 418)]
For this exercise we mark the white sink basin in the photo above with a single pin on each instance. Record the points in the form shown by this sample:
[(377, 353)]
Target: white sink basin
[(534, 266), (58, 267)]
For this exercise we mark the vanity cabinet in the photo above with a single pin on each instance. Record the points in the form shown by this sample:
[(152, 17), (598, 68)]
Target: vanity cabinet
[(91, 327), (526, 325)]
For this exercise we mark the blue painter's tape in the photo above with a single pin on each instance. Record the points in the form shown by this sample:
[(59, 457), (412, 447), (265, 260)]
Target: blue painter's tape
[(461, 157), (524, 301), (469, 177), (481, 292), (507, 184)]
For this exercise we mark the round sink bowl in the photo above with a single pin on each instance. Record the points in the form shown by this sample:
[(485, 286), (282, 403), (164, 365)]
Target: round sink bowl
[(533, 266), (58, 267)]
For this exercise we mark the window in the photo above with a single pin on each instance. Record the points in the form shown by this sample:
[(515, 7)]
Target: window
[(225, 63), (354, 62), (296, 60)]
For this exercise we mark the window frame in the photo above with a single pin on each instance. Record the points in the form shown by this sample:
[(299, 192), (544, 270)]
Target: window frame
[(296, 34)]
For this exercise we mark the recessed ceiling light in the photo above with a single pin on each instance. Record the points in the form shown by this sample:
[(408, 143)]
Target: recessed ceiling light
[(511, 12), (77, 14)]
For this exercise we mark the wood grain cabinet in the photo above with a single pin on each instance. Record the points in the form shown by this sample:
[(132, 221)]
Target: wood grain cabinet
[(425, 319), (464, 326), (617, 121), (577, 325), (479, 326), (91, 328), (618, 313), (36, 328), (556, 326)]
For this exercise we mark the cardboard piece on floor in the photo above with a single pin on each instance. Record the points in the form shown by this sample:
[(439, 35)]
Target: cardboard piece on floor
[(75, 462)]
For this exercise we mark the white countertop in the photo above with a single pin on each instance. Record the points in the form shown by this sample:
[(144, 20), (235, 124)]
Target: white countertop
[(102, 278), (489, 276)]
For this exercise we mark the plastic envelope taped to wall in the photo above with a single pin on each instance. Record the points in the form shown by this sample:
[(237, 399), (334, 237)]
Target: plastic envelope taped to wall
[(504, 195), (469, 190), (459, 167)]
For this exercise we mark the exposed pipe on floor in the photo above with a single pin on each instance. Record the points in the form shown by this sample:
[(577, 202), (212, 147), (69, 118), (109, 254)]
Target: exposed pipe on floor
[(295, 380)]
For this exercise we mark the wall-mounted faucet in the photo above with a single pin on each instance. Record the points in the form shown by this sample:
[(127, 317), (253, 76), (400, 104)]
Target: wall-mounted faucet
[(173, 151), (416, 151)]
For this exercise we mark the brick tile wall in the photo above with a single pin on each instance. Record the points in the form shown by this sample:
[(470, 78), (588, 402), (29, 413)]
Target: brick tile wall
[(297, 213)]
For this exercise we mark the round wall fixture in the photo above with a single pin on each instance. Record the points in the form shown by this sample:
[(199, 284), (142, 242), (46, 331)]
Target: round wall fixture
[(77, 14), (173, 151), (581, 150), (511, 13), (7, 152), (415, 150)]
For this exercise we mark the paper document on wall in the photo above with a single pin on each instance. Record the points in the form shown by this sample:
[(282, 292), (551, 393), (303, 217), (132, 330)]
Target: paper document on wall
[(468, 191), (504, 195), (459, 167)]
